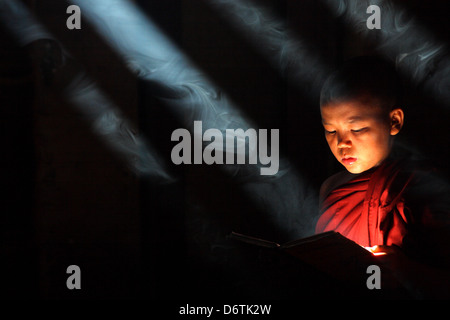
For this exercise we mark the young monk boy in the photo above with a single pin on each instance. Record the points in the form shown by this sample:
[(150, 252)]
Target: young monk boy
[(381, 199)]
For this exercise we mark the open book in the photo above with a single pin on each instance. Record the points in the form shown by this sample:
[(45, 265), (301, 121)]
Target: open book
[(329, 252)]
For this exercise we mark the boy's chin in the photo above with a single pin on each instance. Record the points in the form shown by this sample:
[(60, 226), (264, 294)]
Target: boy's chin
[(352, 170), (356, 169)]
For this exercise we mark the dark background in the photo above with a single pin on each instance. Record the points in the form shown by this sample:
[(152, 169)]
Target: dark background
[(67, 199)]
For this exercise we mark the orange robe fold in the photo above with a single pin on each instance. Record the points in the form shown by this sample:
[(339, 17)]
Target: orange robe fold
[(370, 208)]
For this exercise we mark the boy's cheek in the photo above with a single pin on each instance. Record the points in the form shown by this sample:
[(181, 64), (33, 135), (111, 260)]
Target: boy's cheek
[(332, 144)]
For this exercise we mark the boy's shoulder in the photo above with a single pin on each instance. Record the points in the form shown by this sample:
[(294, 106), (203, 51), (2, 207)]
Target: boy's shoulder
[(425, 178)]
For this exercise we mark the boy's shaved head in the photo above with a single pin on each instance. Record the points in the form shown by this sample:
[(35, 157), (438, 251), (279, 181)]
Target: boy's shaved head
[(369, 77), (359, 105)]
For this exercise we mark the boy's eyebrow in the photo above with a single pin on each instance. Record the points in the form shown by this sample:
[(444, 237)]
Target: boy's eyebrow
[(356, 119), (349, 120)]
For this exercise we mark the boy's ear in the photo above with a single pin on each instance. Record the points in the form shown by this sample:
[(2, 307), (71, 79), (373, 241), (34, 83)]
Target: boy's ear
[(396, 117)]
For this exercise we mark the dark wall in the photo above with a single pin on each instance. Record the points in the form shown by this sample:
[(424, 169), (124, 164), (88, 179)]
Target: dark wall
[(18, 250)]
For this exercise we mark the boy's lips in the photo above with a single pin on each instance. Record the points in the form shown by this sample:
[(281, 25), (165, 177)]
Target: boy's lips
[(348, 160)]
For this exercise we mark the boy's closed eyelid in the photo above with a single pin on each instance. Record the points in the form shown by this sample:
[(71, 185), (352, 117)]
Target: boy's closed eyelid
[(360, 130)]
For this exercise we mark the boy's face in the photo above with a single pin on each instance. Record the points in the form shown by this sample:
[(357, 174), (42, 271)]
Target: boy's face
[(360, 134)]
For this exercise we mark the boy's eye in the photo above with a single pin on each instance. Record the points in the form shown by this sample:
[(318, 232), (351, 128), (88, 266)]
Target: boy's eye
[(330, 132), (359, 130)]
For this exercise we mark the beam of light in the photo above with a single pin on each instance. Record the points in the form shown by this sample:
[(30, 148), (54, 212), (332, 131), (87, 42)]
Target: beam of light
[(417, 52), (293, 58), (154, 58), (296, 62), (21, 23), (115, 130), (105, 118), (192, 96)]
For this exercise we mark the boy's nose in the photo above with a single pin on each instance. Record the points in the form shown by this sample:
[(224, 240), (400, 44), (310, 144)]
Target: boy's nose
[(343, 142)]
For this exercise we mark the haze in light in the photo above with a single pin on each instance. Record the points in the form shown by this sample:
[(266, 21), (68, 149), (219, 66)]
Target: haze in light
[(107, 121)]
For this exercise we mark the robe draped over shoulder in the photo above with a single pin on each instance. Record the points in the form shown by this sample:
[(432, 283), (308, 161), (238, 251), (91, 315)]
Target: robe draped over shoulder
[(370, 208), (403, 203)]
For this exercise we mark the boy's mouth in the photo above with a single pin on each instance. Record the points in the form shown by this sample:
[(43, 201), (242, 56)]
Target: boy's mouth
[(348, 160)]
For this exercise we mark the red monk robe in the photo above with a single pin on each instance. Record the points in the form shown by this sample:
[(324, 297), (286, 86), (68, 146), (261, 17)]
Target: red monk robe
[(383, 206)]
